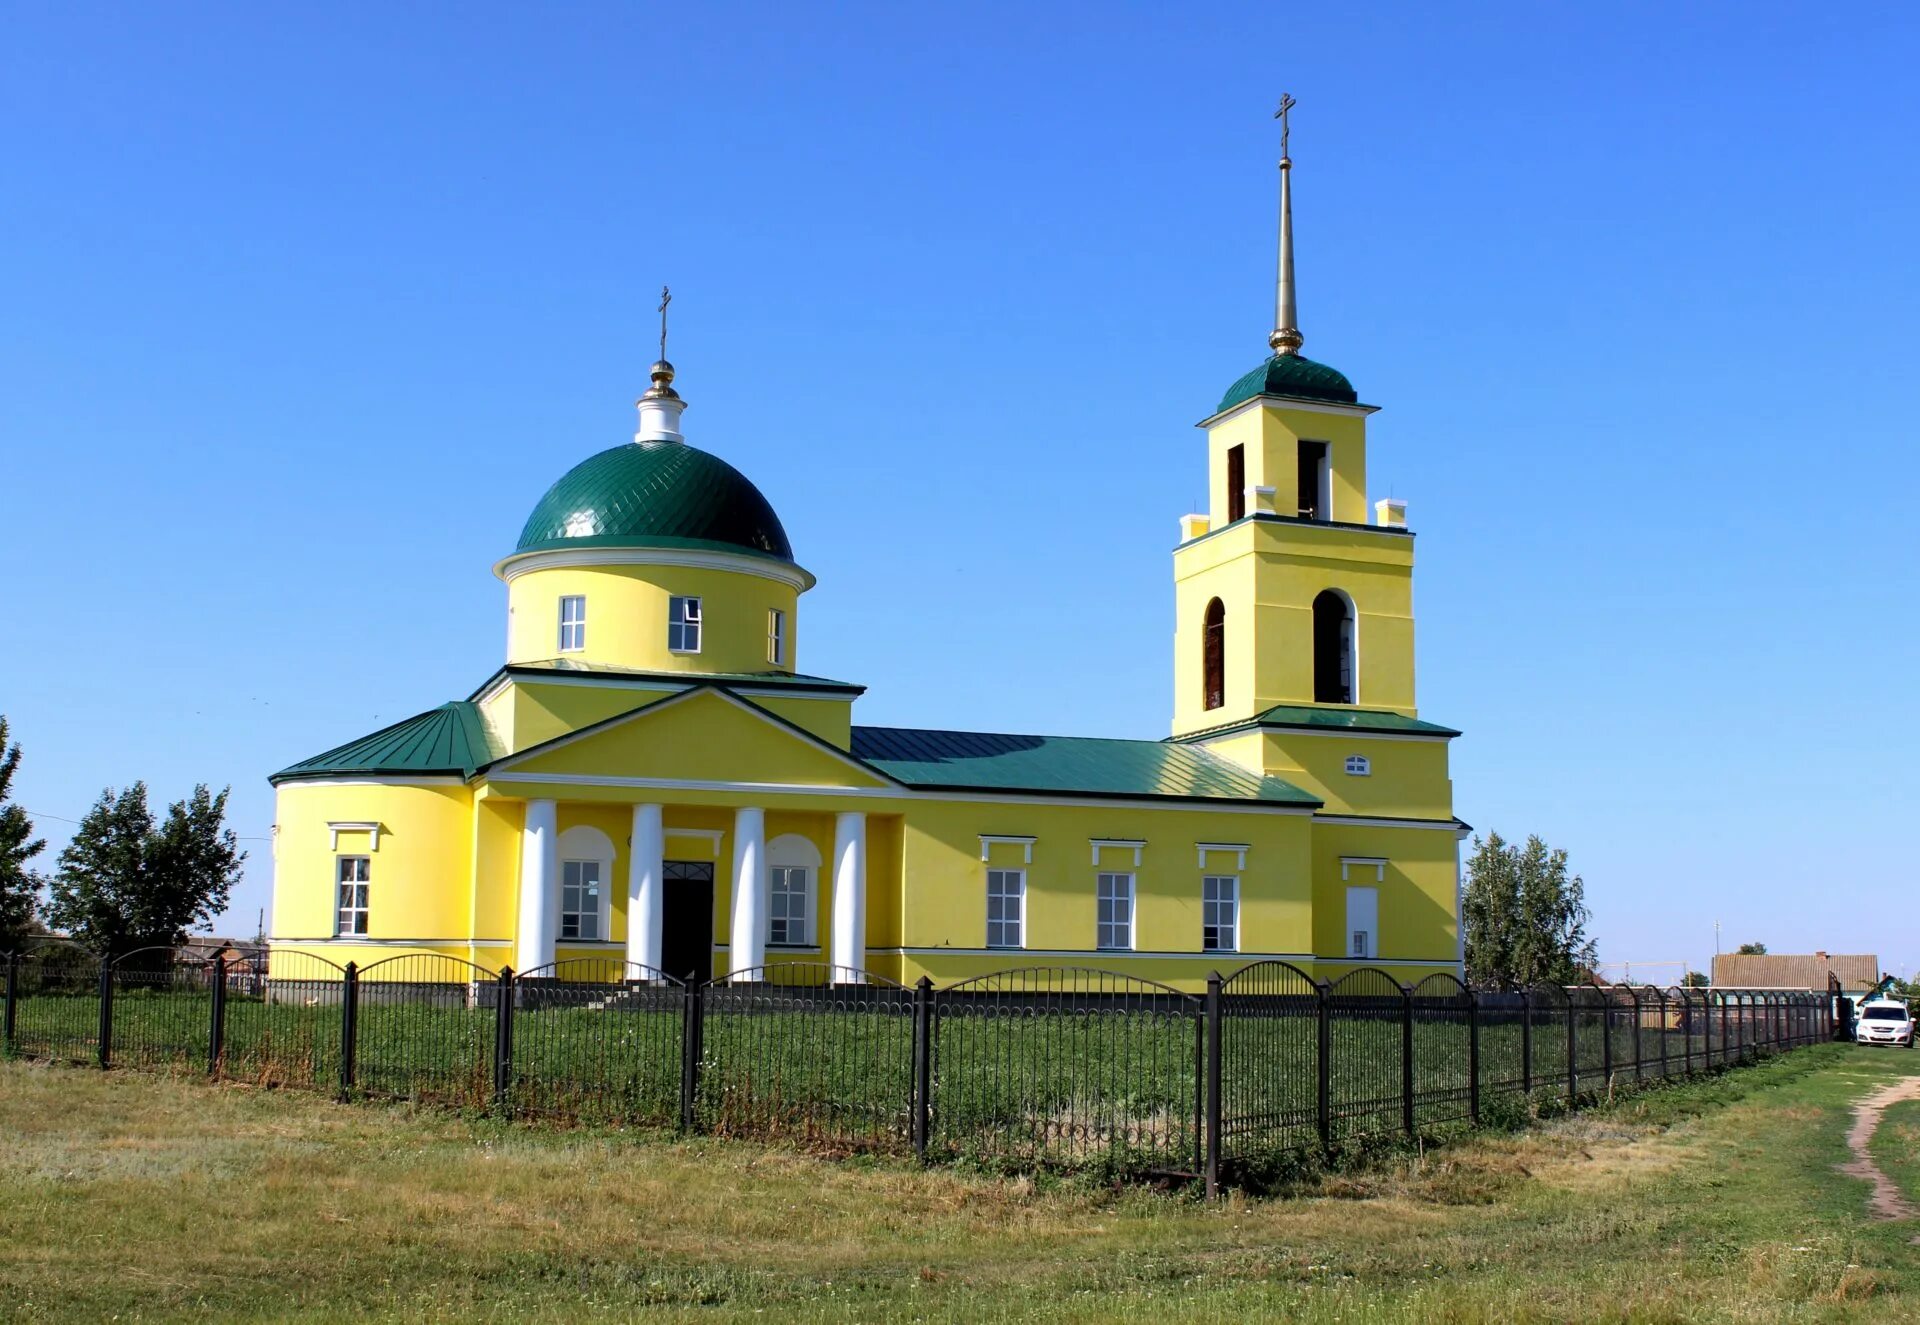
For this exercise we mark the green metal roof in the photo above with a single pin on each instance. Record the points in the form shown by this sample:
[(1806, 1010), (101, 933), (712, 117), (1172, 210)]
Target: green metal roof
[(1065, 765), (655, 494), (1291, 375), (449, 739), (1307, 718), (533, 672)]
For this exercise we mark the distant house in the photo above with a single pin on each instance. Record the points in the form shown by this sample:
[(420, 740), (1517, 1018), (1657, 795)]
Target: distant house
[(1857, 973)]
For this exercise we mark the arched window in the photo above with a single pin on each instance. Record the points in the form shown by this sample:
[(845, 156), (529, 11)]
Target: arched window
[(793, 892), (1213, 656), (1333, 681), (586, 885)]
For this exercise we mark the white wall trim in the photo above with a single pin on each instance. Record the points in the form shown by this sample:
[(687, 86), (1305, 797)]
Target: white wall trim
[(1288, 402), (1377, 863), (1135, 844), (895, 793), (361, 780), (711, 836), (1361, 821), (362, 941), (990, 840), (664, 683), (1239, 850), (371, 827), (1324, 733), (782, 572)]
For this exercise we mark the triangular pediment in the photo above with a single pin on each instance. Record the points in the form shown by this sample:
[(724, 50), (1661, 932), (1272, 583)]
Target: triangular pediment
[(701, 735)]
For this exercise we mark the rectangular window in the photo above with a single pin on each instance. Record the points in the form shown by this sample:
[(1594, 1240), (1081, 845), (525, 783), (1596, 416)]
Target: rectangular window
[(787, 906), (776, 637), (1315, 478), (1236, 482), (1363, 922), (573, 623), (1006, 908), (354, 874), (1359, 766), (580, 900), (683, 625), (1114, 927), (1220, 913)]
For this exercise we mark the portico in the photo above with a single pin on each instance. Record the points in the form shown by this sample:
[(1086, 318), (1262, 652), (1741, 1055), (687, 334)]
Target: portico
[(767, 897)]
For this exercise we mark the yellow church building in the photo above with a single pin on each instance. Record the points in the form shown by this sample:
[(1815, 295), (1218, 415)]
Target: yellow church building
[(650, 776)]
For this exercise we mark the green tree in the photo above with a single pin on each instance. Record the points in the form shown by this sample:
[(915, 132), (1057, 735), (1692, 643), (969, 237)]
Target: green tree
[(1525, 915), (1696, 980), (1751, 950), (18, 845), (125, 882)]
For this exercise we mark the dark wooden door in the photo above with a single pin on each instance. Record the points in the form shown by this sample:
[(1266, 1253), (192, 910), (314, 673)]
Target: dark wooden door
[(686, 940)]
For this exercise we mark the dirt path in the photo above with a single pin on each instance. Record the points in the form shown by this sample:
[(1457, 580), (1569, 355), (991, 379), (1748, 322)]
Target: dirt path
[(1886, 1200)]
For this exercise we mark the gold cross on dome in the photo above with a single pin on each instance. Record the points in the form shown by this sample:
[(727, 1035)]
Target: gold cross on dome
[(1287, 103)]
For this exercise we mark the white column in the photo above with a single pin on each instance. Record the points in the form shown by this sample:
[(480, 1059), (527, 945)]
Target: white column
[(646, 886), (849, 896), (747, 938), (539, 886)]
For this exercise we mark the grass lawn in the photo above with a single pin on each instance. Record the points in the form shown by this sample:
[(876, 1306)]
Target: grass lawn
[(147, 1198)]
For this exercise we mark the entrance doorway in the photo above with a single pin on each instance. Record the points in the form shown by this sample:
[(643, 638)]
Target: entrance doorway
[(686, 939)]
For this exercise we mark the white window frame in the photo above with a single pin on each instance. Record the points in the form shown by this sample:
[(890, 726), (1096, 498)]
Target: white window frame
[(785, 885), (1220, 911), (599, 895), (776, 637), (790, 855), (573, 627), (684, 623), (1009, 888), (351, 921), (1113, 888), (1363, 924), (1359, 766)]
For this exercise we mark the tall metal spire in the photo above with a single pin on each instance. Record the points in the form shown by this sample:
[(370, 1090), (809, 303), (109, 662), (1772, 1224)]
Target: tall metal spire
[(1286, 337), (660, 405)]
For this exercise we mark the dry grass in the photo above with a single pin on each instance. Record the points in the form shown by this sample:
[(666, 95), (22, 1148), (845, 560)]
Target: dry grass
[(125, 1196)]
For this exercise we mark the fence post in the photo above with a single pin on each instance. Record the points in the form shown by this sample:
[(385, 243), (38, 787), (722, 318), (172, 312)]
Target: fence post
[(1663, 1035), (922, 1064), (349, 1025), (1573, 1055), (691, 1031), (217, 1032), (106, 1012), (13, 997), (1526, 1042), (1473, 1057), (1639, 1059), (1606, 1039), (1323, 1090), (1215, 1108), (503, 1039), (1723, 1033), (1406, 1059)]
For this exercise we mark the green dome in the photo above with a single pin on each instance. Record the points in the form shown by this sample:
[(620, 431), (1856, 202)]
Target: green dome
[(1291, 375), (655, 494)]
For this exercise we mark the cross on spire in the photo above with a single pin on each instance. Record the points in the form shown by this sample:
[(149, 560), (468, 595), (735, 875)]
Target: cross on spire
[(1287, 103), (666, 297)]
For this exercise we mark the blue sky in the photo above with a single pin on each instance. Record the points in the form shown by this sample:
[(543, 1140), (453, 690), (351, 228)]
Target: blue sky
[(301, 311)]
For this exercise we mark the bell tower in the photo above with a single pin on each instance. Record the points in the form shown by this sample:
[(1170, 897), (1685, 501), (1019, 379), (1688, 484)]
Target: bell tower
[(1286, 594)]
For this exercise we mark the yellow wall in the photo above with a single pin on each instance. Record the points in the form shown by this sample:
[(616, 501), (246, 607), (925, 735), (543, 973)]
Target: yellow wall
[(1267, 575), (1270, 436), (1417, 894), (530, 712), (419, 871), (627, 617), (1408, 778)]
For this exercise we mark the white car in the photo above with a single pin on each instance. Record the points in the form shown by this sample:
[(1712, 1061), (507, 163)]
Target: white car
[(1883, 1021)]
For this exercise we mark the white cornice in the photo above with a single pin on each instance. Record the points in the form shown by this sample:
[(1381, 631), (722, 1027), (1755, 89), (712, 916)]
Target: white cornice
[(894, 793), (1362, 821), (782, 572), (1288, 402), (664, 684)]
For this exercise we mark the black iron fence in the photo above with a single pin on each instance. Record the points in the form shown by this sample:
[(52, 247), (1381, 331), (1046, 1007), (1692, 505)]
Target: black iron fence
[(1049, 1066)]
